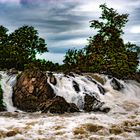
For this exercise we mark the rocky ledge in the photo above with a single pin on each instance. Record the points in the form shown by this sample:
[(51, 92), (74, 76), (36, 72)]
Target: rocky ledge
[(32, 92)]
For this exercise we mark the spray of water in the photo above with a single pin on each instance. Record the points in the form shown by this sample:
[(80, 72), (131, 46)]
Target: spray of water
[(122, 122)]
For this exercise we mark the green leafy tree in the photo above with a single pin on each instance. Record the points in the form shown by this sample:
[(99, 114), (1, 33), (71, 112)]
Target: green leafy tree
[(20, 47), (25, 43), (3, 41), (3, 35), (106, 51), (74, 60)]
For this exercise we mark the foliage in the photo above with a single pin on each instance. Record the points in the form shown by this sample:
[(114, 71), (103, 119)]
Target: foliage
[(106, 51), (20, 47), (74, 60), (43, 65)]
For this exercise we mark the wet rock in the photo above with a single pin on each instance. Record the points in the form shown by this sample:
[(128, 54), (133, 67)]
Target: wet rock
[(73, 108), (76, 86), (96, 77), (31, 90), (90, 79), (12, 71), (2, 108), (101, 89), (33, 93), (92, 103), (53, 79), (116, 84), (58, 105), (104, 109), (71, 74)]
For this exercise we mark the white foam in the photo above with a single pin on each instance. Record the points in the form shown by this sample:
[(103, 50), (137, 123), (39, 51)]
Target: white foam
[(124, 104), (7, 83)]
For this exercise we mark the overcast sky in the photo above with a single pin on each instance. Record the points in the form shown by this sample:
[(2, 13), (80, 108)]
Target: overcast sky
[(65, 24)]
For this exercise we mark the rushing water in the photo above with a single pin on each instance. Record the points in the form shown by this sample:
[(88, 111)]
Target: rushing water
[(121, 123)]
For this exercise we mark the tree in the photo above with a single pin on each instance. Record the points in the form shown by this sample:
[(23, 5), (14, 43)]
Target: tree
[(106, 50), (3, 41), (74, 60), (3, 35), (20, 47)]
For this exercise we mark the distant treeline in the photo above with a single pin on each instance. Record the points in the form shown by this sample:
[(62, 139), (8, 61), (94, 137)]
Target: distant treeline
[(105, 52)]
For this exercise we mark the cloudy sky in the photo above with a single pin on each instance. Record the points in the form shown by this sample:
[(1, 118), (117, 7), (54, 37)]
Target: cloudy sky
[(65, 24)]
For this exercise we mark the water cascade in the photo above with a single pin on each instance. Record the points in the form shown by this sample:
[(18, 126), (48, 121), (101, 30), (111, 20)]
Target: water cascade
[(121, 122)]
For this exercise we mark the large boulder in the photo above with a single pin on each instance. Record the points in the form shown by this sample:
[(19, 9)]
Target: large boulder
[(116, 84), (33, 93), (31, 89), (91, 103), (58, 105)]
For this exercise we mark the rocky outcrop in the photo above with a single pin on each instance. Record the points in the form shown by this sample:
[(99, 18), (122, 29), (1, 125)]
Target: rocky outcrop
[(31, 90), (58, 105), (2, 107), (76, 86), (52, 78), (12, 71), (93, 104), (37, 91), (33, 93), (116, 84)]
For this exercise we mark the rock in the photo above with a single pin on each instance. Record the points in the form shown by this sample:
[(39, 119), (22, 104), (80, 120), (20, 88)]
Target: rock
[(116, 84), (58, 105), (33, 93), (92, 103), (12, 71), (135, 76), (96, 77), (73, 108), (31, 90), (104, 109), (71, 74), (101, 89), (53, 80), (90, 79), (76, 86), (2, 108)]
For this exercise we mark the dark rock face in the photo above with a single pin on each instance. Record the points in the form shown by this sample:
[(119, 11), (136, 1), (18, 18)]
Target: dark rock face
[(58, 105), (93, 104), (31, 90), (0, 76), (116, 84), (90, 79), (12, 71), (101, 89), (76, 86), (33, 93), (53, 80)]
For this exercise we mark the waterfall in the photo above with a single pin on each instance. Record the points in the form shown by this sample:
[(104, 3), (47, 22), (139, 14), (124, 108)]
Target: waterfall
[(113, 93), (121, 122), (7, 83)]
